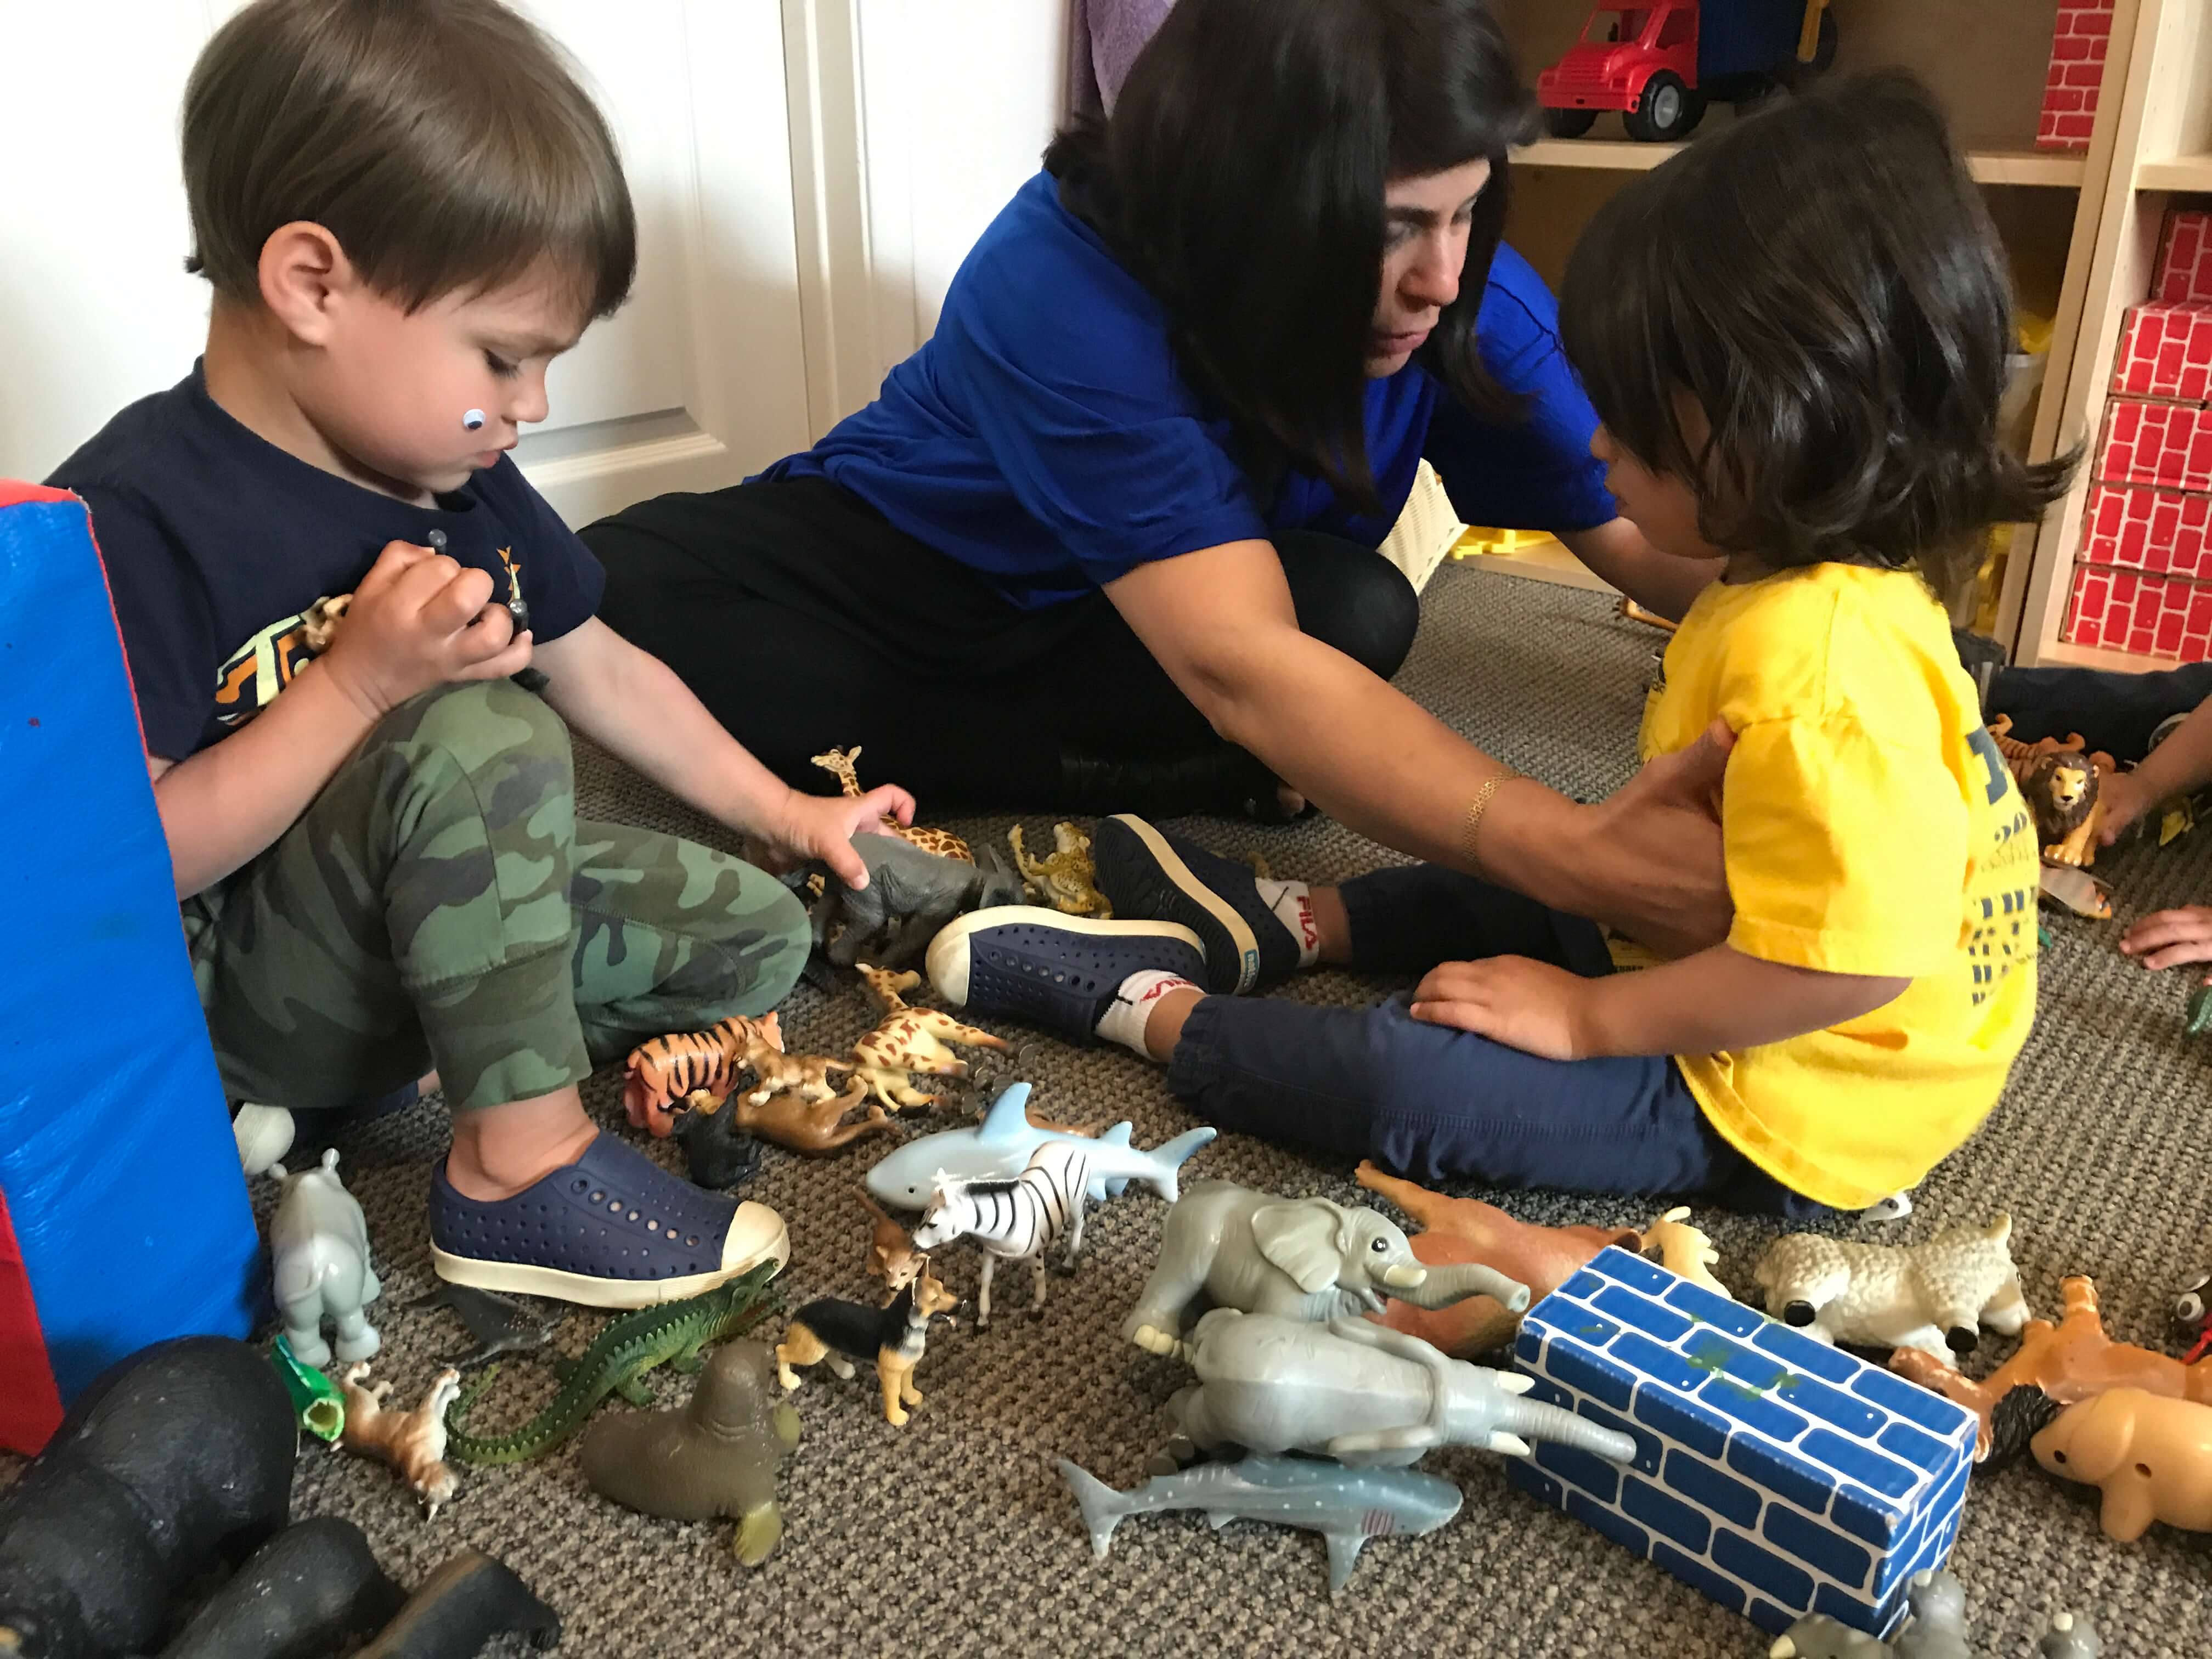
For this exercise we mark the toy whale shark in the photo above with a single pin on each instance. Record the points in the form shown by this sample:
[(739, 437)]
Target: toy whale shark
[(1000, 1147), (1345, 1506)]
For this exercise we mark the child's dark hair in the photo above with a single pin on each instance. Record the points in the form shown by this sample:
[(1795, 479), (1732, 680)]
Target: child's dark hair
[(445, 143), (1824, 281)]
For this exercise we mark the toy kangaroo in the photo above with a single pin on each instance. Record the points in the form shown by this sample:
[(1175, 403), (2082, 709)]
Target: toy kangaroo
[(842, 1332), (412, 1443), (891, 1255), (909, 1040)]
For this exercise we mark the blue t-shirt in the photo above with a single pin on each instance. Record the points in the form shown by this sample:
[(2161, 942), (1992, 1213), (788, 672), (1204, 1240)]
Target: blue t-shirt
[(1044, 437), (217, 542)]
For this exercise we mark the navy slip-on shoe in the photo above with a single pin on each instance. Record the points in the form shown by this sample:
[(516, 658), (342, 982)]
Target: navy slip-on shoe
[(1149, 873), (1045, 969), (612, 1229)]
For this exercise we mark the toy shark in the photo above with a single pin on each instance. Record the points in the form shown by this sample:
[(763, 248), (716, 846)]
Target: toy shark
[(1000, 1147), (1345, 1506)]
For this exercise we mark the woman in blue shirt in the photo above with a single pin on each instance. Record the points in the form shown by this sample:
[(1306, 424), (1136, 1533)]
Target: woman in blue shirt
[(1105, 542)]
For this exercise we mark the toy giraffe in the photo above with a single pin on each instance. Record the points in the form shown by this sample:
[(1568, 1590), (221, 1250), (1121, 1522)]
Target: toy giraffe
[(908, 1040), (840, 764)]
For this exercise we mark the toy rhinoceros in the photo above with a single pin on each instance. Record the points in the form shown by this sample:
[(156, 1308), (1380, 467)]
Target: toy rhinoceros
[(320, 1241)]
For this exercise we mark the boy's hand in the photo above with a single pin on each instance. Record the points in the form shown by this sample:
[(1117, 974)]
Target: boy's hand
[(1524, 1004), (2171, 938), (822, 827), (2123, 801), (419, 619)]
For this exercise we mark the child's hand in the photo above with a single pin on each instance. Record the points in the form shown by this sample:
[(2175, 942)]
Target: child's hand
[(2123, 801), (418, 620), (822, 827), (1523, 1003), (2171, 938)]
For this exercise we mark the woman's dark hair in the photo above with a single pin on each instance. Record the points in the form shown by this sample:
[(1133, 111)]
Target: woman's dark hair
[(1824, 281), (1241, 178)]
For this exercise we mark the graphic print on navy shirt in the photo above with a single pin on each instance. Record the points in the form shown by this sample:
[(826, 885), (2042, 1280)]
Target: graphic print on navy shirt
[(222, 550)]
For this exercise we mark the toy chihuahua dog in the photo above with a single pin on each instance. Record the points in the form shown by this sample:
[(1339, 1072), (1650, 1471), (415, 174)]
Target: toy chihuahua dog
[(842, 1332)]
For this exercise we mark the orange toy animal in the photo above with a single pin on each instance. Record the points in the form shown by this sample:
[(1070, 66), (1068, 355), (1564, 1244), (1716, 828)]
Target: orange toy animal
[(801, 1125), (891, 1255), (2153, 1458), (907, 1041), (667, 1075), (2069, 1362), (1461, 1230), (412, 1443)]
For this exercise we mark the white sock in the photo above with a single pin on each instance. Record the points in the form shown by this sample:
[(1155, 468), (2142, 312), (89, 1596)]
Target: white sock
[(1292, 902), (1123, 1022)]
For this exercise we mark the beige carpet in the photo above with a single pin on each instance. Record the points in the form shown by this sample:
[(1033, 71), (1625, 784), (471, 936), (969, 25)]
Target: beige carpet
[(956, 1536)]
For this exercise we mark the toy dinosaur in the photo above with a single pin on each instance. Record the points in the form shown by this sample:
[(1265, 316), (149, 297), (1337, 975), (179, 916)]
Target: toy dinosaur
[(2067, 1362), (908, 1040), (1065, 879), (672, 1334), (1683, 1249), (413, 1443), (840, 763)]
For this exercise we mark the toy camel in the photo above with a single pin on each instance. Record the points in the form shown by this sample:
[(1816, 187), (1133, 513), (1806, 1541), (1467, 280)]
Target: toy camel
[(1065, 879), (840, 763), (1465, 1230), (2068, 1362), (910, 1040), (412, 1443)]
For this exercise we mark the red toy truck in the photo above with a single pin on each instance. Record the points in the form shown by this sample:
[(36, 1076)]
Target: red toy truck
[(1660, 64)]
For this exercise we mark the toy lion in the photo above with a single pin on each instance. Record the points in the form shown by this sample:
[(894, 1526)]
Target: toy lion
[(2062, 794)]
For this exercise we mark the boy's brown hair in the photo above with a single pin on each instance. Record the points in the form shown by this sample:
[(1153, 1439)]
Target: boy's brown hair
[(445, 143)]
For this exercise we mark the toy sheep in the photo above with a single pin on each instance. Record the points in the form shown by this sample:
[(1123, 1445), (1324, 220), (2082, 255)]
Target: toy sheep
[(1933, 1296)]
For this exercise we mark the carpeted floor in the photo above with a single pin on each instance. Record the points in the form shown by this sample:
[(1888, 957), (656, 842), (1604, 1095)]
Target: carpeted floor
[(956, 1536)]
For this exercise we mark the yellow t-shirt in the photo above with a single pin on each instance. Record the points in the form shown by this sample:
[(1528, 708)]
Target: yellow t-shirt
[(1869, 827)]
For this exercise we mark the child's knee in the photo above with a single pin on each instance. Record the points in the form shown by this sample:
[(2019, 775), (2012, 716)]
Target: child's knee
[(484, 724), (788, 936)]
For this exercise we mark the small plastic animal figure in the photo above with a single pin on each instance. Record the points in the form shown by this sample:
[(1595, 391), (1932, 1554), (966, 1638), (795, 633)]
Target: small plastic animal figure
[(1936, 1628), (840, 764), (896, 1336), (2071, 1636), (412, 1443), (1457, 1230), (2151, 1457), (1017, 1220), (799, 1125), (1933, 1296), (2069, 1361), (315, 1587), (891, 1255), (910, 894), (910, 1040), (1683, 1249), (2061, 794), (498, 1325), (319, 1240), (458, 1609), (2077, 892), (776, 1072), (318, 622), (1000, 1147), (1065, 879), (2021, 758), (718, 1154), (666, 1075), (2192, 1311)]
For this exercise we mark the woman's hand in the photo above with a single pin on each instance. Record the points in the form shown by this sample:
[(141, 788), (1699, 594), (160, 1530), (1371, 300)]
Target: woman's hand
[(1524, 1004), (1650, 852), (2171, 938), (822, 827)]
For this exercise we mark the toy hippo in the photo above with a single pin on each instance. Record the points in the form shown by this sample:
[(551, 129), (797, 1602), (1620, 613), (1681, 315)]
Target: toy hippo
[(319, 1240), (1936, 1630), (2151, 1457), (170, 1460), (1298, 1258), (1933, 1297), (1360, 1393)]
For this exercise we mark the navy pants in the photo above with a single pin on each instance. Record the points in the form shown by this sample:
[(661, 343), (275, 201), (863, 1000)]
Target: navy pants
[(1432, 1102), (2114, 712)]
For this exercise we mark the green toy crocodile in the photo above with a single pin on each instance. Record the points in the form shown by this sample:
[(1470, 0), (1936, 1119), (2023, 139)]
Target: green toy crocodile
[(672, 1334)]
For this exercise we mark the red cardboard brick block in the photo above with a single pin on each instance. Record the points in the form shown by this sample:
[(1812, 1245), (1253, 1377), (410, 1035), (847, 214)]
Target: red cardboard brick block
[(2146, 615), (2164, 532), (2166, 444), (2165, 351), (2078, 41), (2185, 257)]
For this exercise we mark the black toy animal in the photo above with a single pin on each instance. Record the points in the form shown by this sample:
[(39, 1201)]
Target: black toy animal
[(461, 1606), (716, 1152), (911, 894), (173, 1459), (498, 1324), (308, 1592)]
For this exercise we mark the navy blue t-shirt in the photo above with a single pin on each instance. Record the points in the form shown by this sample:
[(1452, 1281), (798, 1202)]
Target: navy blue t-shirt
[(217, 542), (1043, 436)]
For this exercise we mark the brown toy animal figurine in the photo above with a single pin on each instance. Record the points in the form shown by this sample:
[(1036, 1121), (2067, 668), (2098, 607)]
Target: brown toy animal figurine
[(1683, 1249), (909, 1040), (842, 1332), (1466, 1229), (413, 1443), (2069, 1362), (666, 1076), (2151, 1457), (840, 764), (2020, 757), (2062, 792), (800, 1125), (806, 1076), (891, 1255)]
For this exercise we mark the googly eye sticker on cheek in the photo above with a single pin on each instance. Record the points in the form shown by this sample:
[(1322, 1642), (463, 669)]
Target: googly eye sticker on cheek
[(473, 420)]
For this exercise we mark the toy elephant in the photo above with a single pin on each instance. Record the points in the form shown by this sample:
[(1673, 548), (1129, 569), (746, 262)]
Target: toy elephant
[(2151, 1457), (320, 1241), (911, 894), (1300, 1258), (1362, 1394)]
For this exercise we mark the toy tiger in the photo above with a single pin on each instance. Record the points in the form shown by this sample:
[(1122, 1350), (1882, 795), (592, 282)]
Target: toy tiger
[(671, 1074)]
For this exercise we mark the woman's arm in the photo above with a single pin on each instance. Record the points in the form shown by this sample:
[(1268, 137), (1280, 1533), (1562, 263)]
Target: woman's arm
[(1647, 859), (1617, 552)]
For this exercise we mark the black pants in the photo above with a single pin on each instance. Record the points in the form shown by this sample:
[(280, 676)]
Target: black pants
[(805, 621), (2114, 712)]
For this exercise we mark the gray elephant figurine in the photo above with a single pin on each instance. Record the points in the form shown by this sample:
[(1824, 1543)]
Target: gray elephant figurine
[(911, 894), (1298, 1258), (1362, 1394), (320, 1241)]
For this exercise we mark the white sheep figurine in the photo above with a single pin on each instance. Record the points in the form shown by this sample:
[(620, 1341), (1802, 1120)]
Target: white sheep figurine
[(1933, 1296)]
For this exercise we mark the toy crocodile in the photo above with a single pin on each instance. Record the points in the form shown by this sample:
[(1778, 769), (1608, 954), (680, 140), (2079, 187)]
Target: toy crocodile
[(672, 1334)]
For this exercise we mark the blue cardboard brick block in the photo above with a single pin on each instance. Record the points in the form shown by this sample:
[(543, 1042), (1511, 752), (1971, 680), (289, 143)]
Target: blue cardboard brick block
[(1778, 1476)]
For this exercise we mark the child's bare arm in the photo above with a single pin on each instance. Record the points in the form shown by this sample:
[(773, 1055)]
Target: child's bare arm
[(1718, 999), (2180, 766), (417, 620), (1659, 582)]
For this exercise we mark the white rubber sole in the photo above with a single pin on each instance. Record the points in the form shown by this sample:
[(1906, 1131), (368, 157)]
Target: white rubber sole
[(948, 958), (1246, 943), (518, 1279)]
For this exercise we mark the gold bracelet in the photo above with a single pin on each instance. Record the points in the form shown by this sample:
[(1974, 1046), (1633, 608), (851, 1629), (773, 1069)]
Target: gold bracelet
[(1475, 809)]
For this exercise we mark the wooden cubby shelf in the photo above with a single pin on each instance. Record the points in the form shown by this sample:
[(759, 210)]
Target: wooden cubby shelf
[(2043, 168)]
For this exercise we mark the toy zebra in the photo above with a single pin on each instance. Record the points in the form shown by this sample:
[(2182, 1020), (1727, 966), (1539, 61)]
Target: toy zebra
[(1017, 1219)]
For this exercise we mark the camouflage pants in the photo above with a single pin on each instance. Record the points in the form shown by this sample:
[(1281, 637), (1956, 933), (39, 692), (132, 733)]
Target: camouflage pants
[(439, 902)]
